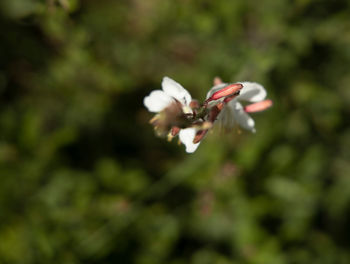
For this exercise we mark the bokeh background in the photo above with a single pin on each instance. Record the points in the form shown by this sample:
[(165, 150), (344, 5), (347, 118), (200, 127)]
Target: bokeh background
[(83, 178)]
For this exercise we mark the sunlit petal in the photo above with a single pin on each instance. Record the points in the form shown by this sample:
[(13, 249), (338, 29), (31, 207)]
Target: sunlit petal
[(252, 92), (227, 117), (157, 101), (242, 118), (186, 137), (174, 89)]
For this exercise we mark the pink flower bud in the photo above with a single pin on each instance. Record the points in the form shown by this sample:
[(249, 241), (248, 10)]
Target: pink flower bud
[(229, 98), (217, 81), (214, 112), (257, 107), (199, 136), (228, 90)]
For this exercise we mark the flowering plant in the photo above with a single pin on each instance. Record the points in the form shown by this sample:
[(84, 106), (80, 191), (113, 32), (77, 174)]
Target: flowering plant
[(179, 114)]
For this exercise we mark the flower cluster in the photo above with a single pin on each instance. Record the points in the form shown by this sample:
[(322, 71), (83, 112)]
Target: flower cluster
[(180, 115)]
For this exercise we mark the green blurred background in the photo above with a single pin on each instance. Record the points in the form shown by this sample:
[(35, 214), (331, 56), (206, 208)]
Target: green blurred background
[(83, 178)]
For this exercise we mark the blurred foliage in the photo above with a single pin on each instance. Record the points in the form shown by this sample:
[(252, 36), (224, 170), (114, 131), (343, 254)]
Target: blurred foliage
[(83, 179)]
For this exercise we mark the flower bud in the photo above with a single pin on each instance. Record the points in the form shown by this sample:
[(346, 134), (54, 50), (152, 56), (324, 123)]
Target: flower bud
[(214, 112), (217, 81), (229, 90), (257, 107), (199, 136)]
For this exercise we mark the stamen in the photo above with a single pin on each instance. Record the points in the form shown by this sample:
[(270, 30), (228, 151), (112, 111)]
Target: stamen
[(174, 131), (170, 137), (154, 120)]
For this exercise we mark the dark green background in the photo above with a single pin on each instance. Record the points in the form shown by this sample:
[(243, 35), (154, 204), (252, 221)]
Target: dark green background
[(83, 178)]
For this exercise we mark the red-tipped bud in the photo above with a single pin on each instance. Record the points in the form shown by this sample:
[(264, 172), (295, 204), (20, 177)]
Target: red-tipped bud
[(199, 136), (229, 98), (232, 89), (213, 114), (217, 81), (220, 105), (257, 107)]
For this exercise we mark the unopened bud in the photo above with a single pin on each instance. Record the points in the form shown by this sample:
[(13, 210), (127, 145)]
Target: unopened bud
[(217, 81), (214, 112), (257, 107), (229, 98), (229, 90), (199, 136), (220, 105)]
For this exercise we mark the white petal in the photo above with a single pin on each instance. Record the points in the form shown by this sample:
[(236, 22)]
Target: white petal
[(157, 101), (227, 116), (252, 92), (186, 137), (174, 89), (242, 118)]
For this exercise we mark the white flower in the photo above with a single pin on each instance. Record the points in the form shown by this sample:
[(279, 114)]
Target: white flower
[(234, 111), (158, 100)]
